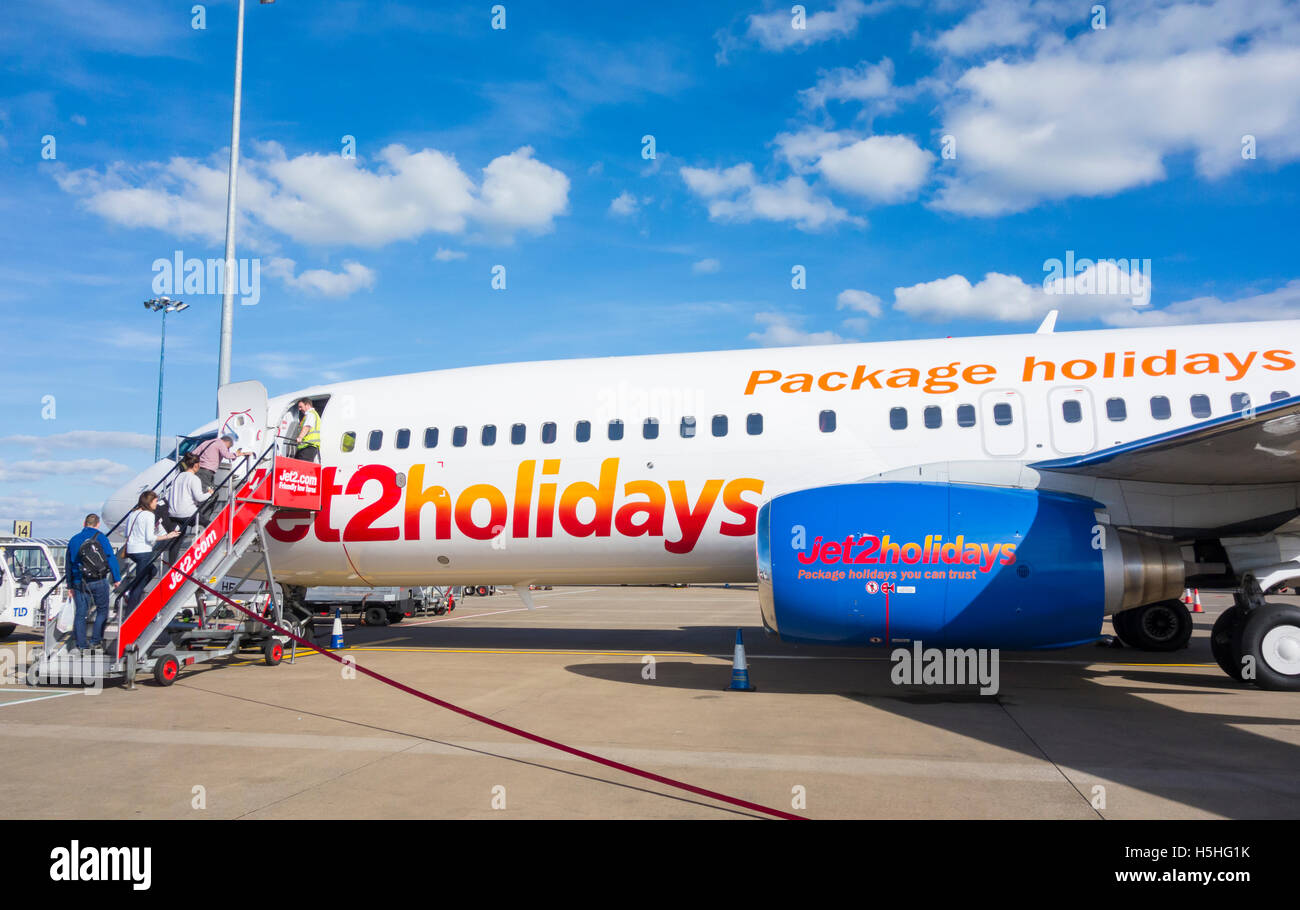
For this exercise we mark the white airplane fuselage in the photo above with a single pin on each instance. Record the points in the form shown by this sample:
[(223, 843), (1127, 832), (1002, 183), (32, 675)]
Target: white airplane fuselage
[(682, 507)]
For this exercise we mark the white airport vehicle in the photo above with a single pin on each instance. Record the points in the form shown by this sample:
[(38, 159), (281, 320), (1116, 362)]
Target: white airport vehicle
[(30, 569), (381, 606), (1007, 491)]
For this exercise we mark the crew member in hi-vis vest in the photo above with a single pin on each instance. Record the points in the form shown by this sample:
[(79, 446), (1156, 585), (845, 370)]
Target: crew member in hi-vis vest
[(308, 432)]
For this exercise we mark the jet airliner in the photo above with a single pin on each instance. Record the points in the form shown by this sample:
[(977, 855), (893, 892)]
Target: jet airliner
[(1007, 491)]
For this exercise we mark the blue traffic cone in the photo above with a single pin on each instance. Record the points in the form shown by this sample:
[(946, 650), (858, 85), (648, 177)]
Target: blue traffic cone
[(336, 634), (739, 670)]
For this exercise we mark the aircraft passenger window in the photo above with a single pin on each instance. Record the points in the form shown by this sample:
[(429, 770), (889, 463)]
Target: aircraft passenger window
[(582, 430), (826, 421), (1002, 414), (965, 415), (518, 433), (1278, 396), (348, 442), (403, 439), (1071, 410), (932, 417), (1160, 407), (548, 433), (375, 440), (489, 436), (688, 427), (1200, 405), (898, 418), (616, 429), (754, 424), (431, 437), (1240, 400), (1116, 410), (459, 435), (719, 424), (650, 429)]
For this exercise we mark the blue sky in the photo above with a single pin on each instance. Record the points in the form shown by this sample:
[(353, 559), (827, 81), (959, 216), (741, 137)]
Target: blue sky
[(775, 146)]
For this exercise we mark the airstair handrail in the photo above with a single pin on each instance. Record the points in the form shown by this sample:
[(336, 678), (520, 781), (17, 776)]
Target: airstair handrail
[(157, 486)]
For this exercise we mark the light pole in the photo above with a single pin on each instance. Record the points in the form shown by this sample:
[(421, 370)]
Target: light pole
[(230, 273), (165, 306)]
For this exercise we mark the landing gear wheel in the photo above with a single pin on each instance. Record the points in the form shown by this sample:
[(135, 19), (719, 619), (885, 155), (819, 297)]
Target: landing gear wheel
[(1163, 626), (166, 669), (6, 629), (1222, 637), (376, 616), (1270, 635), (481, 591), (272, 652), (1122, 623)]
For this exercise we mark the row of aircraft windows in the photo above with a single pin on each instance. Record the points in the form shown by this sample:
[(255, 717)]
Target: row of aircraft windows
[(719, 426), (1161, 409), (931, 417)]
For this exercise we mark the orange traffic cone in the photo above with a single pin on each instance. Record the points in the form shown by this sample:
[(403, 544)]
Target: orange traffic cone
[(1187, 597), (1196, 601)]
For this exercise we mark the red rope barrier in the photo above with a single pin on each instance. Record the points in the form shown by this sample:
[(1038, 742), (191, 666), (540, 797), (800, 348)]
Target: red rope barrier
[(516, 731)]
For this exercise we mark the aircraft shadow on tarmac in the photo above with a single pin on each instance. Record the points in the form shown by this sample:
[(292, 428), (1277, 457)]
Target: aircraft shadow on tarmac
[(1103, 724)]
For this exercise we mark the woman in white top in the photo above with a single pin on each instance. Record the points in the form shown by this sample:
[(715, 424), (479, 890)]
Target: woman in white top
[(141, 538), (184, 499)]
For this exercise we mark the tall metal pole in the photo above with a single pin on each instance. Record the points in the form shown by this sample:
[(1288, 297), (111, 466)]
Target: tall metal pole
[(162, 354), (231, 273)]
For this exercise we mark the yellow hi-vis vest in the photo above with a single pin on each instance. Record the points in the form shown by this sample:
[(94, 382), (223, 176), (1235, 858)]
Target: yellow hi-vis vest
[(313, 435)]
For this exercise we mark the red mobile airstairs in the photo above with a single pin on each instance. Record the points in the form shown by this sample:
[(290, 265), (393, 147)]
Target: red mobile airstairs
[(149, 638)]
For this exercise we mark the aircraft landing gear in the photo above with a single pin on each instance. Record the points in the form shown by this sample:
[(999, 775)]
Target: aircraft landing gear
[(1264, 647), (1221, 641), (1162, 626)]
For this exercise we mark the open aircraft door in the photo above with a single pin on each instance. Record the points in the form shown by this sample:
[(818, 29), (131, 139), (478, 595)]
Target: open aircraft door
[(243, 410)]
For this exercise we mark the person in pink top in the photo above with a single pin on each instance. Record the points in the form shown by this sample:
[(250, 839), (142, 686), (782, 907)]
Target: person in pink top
[(211, 454)]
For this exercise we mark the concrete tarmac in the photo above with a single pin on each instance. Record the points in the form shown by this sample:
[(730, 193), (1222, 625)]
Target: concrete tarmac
[(638, 675)]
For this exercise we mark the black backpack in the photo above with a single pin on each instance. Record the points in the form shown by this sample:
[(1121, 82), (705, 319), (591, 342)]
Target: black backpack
[(91, 558)]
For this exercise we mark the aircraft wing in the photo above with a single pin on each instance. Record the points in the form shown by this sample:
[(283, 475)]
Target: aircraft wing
[(1251, 446)]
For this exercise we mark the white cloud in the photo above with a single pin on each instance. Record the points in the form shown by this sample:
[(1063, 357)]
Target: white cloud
[(775, 31), (997, 23), (521, 192), (445, 255), (84, 440), (866, 82), (782, 330), (1279, 304), (710, 182), (1099, 291), (90, 470), (735, 194), (623, 204), (328, 199), (881, 168), (862, 301), (1102, 112), (323, 282), (50, 517), (706, 267), (802, 149)]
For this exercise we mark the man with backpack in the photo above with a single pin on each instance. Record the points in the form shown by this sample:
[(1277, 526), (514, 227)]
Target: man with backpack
[(90, 562)]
